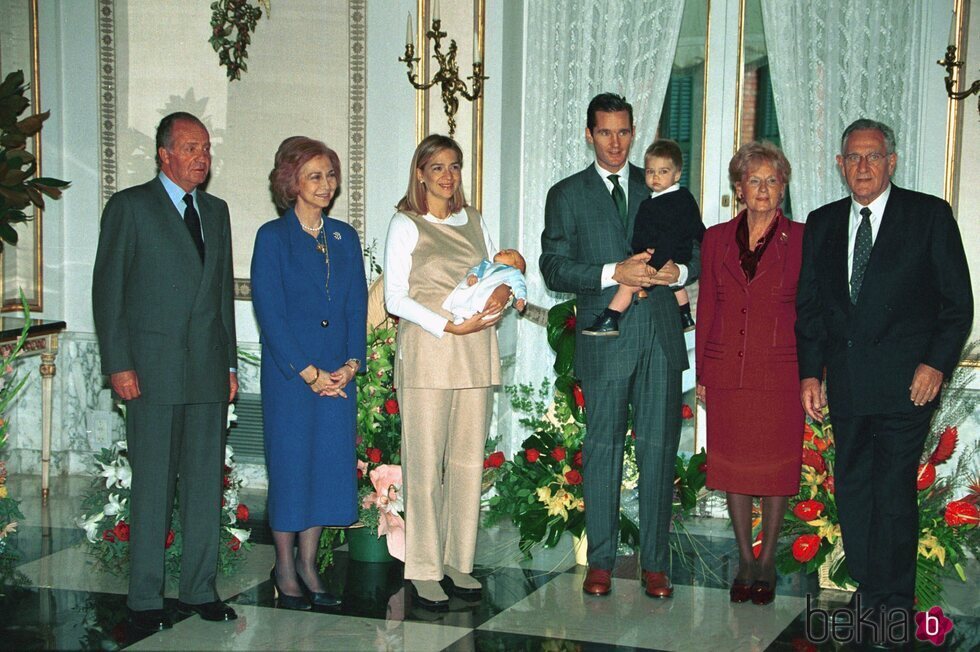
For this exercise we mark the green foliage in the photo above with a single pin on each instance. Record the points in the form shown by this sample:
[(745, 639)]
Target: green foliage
[(18, 190), (10, 387), (229, 16)]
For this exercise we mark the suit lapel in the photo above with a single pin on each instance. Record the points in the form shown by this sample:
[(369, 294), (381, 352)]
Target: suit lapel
[(602, 201), (638, 192), (300, 244), (889, 240), (173, 227), (774, 257)]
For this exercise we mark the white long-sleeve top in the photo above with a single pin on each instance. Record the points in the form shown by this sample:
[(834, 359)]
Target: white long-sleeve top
[(402, 237)]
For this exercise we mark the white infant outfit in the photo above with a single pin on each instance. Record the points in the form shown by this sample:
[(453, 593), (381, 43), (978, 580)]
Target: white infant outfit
[(467, 300)]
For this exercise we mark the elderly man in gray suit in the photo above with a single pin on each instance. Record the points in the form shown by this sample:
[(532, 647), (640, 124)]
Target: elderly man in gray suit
[(164, 311), (585, 249)]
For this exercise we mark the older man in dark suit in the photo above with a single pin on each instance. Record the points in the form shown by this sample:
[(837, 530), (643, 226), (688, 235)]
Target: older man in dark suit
[(163, 305), (884, 305), (585, 249)]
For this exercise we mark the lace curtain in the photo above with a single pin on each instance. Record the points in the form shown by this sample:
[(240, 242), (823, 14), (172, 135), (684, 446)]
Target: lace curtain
[(833, 62), (575, 50)]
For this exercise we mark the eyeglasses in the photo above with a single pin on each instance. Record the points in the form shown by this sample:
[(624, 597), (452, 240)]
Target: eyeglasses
[(874, 158), (755, 182)]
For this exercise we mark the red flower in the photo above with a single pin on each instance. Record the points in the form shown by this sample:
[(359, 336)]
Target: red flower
[(703, 467), (962, 512), (170, 539), (828, 484), (578, 395), (945, 447), (234, 544), (532, 455), (391, 406), (807, 432), (757, 546), (577, 459), (925, 476), (494, 461), (687, 412), (226, 482), (225, 470), (570, 322), (805, 547), (374, 454), (242, 512), (121, 531), (108, 536), (573, 477), (814, 460), (558, 454), (360, 474), (807, 510)]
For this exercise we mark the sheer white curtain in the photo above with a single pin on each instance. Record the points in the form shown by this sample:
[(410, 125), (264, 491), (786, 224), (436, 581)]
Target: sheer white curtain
[(833, 62), (575, 50)]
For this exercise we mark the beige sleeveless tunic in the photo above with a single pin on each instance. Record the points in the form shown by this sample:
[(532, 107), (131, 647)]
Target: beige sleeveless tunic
[(440, 260)]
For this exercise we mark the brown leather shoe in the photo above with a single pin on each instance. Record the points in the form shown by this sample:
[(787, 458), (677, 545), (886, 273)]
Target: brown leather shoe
[(657, 585), (598, 581)]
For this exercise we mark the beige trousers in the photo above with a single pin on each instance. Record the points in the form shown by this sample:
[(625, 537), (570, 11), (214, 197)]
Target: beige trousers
[(443, 435)]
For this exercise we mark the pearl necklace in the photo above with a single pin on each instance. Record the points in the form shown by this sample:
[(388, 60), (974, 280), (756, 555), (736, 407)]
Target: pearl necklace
[(312, 229)]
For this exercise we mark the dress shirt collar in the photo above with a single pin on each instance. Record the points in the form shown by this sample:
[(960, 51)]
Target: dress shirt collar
[(877, 209), (176, 193), (676, 186), (623, 172)]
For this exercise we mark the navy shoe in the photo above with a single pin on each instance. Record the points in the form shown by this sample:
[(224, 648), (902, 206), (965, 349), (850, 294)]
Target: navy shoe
[(606, 325)]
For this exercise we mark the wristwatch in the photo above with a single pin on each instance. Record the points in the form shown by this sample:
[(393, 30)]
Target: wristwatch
[(354, 364)]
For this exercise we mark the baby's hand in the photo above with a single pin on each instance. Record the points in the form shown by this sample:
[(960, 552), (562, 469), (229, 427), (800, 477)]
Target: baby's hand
[(520, 304), (471, 280)]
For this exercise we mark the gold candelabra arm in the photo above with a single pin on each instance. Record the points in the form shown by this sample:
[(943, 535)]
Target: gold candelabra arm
[(477, 78), (951, 65), (411, 60)]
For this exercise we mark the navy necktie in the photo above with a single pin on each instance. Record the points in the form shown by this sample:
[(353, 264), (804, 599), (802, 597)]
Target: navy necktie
[(862, 252), (193, 223)]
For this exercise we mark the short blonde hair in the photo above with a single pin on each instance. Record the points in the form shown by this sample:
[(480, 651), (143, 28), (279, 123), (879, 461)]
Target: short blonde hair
[(414, 199), (756, 153)]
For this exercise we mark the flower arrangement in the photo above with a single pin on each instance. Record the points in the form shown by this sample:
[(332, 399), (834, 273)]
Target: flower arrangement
[(378, 450), (947, 526), (105, 514), (10, 387)]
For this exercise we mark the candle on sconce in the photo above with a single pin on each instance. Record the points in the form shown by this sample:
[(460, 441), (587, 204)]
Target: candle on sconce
[(952, 29), (435, 10), (477, 59), (409, 32)]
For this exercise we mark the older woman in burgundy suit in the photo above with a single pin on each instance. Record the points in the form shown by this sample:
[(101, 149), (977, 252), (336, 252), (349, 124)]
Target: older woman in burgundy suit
[(746, 360)]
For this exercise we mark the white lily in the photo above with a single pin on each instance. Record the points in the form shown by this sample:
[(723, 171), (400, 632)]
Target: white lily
[(118, 474), (229, 453), (232, 417), (91, 526), (231, 500), (114, 506), (241, 535)]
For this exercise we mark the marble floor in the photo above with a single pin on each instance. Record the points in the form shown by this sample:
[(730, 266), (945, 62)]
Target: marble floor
[(55, 599)]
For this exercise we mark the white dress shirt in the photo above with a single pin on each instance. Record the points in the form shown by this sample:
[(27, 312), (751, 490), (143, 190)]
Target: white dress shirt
[(403, 236), (877, 210)]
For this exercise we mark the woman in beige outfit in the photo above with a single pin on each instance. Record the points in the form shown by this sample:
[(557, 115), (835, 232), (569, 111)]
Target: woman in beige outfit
[(444, 372)]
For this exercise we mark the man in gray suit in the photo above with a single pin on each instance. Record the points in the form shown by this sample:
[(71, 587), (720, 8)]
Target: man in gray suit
[(585, 249), (164, 311)]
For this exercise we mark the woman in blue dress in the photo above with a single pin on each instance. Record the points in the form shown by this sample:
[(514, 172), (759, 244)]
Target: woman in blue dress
[(310, 298)]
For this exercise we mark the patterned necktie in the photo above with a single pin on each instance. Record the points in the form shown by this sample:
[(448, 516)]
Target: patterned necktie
[(619, 197), (193, 223), (862, 252)]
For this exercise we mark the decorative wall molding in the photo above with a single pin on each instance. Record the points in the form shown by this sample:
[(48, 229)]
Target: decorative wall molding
[(107, 99)]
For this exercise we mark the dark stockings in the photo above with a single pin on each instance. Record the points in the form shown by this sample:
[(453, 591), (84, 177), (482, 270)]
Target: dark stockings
[(740, 511), (303, 561)]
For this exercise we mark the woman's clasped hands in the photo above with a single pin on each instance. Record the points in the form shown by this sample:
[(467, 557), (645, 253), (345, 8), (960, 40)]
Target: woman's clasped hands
[(328, 383)]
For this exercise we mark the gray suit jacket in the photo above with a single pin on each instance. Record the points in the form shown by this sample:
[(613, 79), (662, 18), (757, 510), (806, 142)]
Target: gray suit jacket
[(582, 233), (157, 309)]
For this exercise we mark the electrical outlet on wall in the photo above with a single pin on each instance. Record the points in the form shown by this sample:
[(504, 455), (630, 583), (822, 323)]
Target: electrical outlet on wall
[(102, 428)]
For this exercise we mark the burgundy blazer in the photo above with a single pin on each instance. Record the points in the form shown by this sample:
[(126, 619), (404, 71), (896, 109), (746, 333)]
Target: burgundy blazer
[(745, 336)]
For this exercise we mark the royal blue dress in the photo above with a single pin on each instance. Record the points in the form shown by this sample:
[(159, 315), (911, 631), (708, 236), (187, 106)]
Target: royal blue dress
[(307, 318)]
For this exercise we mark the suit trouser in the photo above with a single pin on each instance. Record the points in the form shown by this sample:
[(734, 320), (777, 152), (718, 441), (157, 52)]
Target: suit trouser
[(877, 458), (443, 435), (167, 443), (654, 391)]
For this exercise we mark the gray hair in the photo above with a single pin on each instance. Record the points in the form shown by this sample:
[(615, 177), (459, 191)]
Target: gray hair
[(866, 123)]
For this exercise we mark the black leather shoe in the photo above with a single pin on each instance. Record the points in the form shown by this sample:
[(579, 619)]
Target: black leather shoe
[(321, 599), (687, 322), (150, 620), (286, 601), (216, 611), (605, 325)]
